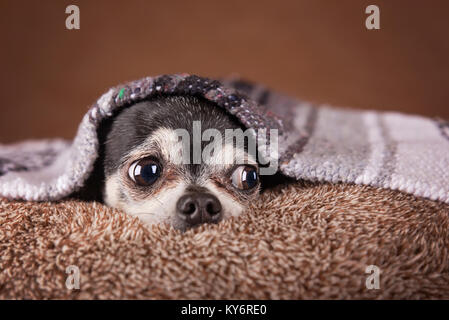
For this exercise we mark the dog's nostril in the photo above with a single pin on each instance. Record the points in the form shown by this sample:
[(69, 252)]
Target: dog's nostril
[(213, 207), (210, 208), (189, 208)]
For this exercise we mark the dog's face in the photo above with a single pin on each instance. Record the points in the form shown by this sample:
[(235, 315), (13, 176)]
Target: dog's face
[(159, 167)]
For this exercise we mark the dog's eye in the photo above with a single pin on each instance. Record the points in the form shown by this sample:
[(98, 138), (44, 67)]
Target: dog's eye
[(245, 177), (145, 172)]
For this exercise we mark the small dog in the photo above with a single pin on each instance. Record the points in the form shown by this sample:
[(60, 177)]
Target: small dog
[(145, 174)]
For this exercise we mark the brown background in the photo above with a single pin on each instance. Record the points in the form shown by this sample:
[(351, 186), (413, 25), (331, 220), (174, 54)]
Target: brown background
[(317, 50)]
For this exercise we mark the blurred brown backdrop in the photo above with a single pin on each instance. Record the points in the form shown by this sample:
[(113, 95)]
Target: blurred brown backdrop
[(316, 50)]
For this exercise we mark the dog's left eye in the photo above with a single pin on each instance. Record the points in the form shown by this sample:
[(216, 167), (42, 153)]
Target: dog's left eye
[(245, 177), (145, 172)]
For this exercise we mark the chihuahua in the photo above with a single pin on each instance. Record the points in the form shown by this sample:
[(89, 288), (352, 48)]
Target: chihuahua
[(150, 173)]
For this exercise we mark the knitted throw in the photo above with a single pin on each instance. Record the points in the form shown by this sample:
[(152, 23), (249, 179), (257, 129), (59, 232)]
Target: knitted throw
[(318, 143)]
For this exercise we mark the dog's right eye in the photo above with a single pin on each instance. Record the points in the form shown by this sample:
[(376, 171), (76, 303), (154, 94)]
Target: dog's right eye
[(145, 172)]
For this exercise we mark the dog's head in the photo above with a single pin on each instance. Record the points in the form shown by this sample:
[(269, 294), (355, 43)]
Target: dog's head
[(179, 160)]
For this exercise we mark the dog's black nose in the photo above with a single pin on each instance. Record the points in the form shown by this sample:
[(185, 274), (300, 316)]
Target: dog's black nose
[(199, 207)]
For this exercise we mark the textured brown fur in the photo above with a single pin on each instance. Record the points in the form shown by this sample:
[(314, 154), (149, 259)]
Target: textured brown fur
[(300, 241)]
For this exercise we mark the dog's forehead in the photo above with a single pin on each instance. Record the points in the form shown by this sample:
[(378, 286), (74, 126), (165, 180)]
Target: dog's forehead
[(171, 145), (133, 126), (180, 112)]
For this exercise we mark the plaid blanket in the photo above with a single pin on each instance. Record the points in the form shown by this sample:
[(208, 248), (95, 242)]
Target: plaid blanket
[(318, 143)]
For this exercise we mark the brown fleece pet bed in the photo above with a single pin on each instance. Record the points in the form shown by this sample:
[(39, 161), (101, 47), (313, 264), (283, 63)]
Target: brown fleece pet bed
[(298, 242)]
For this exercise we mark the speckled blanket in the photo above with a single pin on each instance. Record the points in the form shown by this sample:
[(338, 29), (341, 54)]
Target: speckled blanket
[(317, 143)]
